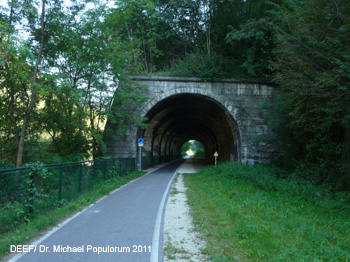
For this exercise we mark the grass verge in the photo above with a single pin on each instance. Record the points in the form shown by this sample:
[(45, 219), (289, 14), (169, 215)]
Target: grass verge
[(37, 226), (261, 214)]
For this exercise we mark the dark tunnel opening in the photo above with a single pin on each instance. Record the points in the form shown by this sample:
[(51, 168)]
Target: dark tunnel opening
[(180, 118)]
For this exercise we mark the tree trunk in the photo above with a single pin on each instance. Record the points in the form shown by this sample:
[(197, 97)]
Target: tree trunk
[(209, 16), (208, 40), (250, 8), (34, 92)]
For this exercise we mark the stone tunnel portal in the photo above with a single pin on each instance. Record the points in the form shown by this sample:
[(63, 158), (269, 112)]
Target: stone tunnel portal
[(183, 117)]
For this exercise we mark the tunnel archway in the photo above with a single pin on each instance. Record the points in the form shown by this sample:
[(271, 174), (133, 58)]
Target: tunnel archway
[(181, 117), (235, 101)]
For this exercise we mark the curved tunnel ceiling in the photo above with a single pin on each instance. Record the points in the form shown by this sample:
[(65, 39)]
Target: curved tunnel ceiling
[(183, 117)]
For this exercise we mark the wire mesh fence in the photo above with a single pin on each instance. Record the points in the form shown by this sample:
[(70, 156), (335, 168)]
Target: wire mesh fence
[(59, 181), (27, 191)]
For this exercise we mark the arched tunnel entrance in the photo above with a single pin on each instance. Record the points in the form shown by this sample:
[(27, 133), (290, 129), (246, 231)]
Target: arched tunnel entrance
[(182, 117)]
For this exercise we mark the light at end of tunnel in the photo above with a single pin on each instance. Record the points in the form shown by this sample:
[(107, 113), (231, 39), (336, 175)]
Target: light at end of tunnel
[(190, 152)]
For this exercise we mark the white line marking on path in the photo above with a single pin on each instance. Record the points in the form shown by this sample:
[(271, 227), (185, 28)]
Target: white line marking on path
[(158, 224)]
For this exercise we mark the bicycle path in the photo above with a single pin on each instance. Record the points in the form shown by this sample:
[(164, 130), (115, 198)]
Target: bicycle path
[(125, 226)]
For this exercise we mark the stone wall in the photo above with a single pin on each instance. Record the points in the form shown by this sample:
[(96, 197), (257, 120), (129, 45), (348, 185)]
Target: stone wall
[(236, 103)]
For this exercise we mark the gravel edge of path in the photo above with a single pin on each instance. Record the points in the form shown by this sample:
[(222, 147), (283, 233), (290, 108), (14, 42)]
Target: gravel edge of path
[(181, 242)]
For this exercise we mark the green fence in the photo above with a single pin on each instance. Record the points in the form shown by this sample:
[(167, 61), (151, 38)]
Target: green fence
[(52, 183), (27, 191)]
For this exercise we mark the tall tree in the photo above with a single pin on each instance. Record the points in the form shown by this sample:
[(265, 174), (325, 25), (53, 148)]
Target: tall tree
[(19, 54), (136, 22), (33, 87), (74, 52), (15, 76)]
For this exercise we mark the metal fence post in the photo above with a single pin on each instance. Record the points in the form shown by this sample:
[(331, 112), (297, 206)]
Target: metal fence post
[(104, 169), (94, 171), (80, 177), (60, 184)]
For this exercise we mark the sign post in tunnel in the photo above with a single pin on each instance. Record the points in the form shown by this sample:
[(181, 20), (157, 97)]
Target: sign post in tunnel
[(216, 157), (140, 143)]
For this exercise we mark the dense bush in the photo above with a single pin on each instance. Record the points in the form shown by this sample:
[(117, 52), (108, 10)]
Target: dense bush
[(23, 195), (205, 67), (5, 165), (12, 214)]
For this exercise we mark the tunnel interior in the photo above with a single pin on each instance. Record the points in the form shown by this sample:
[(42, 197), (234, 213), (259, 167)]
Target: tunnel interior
[(183, 117)]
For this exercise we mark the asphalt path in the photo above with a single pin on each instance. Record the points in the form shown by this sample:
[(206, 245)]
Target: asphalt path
[(127, 225)]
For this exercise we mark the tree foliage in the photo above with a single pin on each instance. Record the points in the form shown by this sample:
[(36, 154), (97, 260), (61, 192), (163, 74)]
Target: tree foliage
[(60, 80), (165, 33), (312, 67)]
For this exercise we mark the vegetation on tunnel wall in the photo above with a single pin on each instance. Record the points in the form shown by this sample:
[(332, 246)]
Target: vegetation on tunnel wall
[(209, 39)]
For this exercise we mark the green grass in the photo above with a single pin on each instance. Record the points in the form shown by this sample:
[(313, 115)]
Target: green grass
[(35, 227), (174, 191), (261, 214)]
